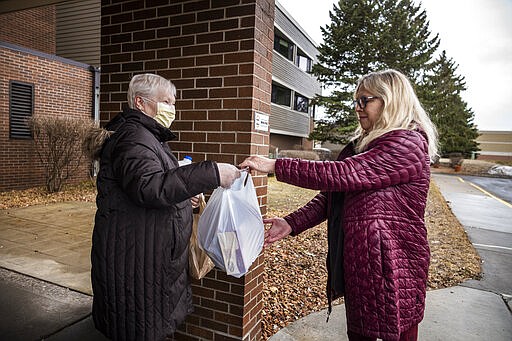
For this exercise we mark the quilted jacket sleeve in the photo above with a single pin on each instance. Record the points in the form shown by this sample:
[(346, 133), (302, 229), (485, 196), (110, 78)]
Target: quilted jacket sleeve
[(308, 216), (145, 180), (394, 158)]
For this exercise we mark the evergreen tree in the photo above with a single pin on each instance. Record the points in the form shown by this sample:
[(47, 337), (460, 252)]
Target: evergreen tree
[(406, 44), (366, 36), (442, 90)]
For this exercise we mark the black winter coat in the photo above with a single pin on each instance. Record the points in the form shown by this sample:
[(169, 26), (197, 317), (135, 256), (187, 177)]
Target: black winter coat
[(142, 230)]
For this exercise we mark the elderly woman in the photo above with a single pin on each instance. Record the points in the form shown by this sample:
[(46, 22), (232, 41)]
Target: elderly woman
[(144, 217), (374, 199)]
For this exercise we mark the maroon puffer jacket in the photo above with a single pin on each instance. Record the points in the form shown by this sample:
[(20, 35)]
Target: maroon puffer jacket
[(386, 254)]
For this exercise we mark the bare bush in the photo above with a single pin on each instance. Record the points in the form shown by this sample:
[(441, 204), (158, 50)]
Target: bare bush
[(58, 143)]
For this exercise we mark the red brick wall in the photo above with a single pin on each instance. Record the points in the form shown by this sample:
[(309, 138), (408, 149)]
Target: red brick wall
[(226, 308), (32, 28), (219, 55), (59, 89)]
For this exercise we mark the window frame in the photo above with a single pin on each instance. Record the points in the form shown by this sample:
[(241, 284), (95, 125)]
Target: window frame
[(309, 61), (278, 37), (295, 103), (281, 87)]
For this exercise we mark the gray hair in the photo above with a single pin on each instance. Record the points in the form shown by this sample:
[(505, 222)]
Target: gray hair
[(146, 85)]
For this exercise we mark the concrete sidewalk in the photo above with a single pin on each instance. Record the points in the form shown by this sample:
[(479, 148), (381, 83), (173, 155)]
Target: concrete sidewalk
[(52, 243), (455, 314), (45, 287)]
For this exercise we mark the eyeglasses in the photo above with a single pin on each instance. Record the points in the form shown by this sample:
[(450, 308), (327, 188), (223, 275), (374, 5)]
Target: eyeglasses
[(363, 101)]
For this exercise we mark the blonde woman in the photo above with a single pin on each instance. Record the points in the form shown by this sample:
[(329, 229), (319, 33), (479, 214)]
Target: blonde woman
[(374, 199)]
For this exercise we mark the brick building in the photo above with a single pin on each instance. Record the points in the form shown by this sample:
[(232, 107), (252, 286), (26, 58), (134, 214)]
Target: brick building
[(39, 77), (293, 87), (495, 145), (72, 29), (220, 56), (36, 82)]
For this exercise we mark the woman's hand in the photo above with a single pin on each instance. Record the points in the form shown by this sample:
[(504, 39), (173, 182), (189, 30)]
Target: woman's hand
[(195, 201), (279, 229), (228, 174), (260, 164)]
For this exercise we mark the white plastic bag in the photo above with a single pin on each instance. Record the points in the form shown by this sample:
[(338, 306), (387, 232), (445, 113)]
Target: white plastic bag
[(230, 228)]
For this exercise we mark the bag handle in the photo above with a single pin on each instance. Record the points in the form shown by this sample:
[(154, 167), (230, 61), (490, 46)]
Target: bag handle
[(246, 169)]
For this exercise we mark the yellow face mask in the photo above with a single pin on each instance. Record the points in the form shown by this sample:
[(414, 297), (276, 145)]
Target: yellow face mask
[(165, 114)]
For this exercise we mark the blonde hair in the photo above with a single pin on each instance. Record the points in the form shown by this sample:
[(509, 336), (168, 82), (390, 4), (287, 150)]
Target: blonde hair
[(402, 109), (146, 85)]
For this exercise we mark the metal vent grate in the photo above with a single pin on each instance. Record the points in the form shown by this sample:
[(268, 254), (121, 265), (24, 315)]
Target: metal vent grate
[(21, 106)]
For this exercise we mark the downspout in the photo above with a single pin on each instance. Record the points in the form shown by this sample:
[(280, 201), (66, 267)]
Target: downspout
[(95, 165), (95, 94)]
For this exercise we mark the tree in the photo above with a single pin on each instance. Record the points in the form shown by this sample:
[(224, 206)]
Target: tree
[(58, 143), (442, 99), (366, 36)]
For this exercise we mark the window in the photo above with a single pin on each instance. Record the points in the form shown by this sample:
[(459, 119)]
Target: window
[(283, 46), (281, 95), (301, 103), (21, 106), (303, 61)]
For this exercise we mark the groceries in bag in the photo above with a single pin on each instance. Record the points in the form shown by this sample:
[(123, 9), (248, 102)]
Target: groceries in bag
[(230, 228)]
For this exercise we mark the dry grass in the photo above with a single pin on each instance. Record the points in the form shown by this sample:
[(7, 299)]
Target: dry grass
[(84, 191)]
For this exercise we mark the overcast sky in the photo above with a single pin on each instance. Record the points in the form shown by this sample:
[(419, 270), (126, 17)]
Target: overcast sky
[(476, 34)]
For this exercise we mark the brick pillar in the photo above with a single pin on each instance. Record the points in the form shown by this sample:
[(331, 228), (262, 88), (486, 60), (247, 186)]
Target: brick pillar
[(219, 55)]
